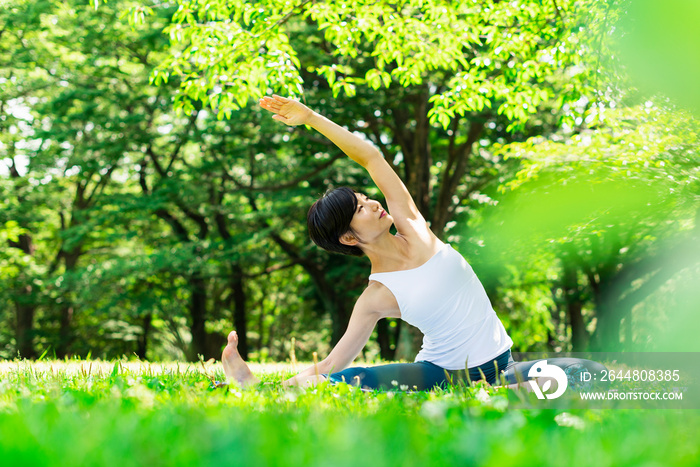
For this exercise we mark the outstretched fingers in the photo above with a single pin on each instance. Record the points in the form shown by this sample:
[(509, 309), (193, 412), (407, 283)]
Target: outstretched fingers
[(274, 103), (285, 110), (280, 99), (270, 104)]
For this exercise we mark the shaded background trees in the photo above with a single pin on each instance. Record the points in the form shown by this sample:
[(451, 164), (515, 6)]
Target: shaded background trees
[(150, 218)]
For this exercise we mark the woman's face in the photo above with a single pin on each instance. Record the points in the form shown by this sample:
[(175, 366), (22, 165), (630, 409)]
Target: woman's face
[(370, 219)]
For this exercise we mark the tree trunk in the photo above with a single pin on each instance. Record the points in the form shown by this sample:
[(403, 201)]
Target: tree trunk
[(607, 330), (629, 333), (385, 350), (67, 310), (418, 160), (237, 285), (410, 340), (239, 310), (24, 303), (142, 344), (574, 306), (24, 332), (334, 306), (25, 308), (452, 176), (416, 149), (198, 302), (579, 335)]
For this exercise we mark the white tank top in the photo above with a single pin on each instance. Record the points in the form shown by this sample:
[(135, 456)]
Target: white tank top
[(446, 301)]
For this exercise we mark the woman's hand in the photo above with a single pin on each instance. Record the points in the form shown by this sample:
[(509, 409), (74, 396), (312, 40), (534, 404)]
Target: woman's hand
[(287, 111)]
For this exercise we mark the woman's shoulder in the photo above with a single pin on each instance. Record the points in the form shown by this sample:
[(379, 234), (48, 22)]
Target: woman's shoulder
[(420, 247), (379, 298)]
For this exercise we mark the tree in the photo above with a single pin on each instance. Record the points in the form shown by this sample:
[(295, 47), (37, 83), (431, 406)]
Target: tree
[(22, 81), (76, 107), (617, 204), (159, 230), (146, 217), (464, 73)]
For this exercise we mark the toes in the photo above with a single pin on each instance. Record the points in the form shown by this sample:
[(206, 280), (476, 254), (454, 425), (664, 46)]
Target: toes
[(233, 338)]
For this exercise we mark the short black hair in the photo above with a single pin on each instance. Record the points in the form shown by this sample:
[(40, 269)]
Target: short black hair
[(329, 218)]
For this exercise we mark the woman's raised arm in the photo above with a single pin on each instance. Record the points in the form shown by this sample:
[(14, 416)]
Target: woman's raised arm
[(399, 201)]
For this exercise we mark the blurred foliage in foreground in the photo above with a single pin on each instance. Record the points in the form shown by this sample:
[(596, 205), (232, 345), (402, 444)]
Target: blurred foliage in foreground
[(109, 413), (129, 227)]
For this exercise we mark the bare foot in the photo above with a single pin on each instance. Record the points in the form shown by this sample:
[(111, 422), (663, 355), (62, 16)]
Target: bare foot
[(234, 366)]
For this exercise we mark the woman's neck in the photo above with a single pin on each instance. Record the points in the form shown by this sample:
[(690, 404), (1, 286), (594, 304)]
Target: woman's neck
[(388, 253)]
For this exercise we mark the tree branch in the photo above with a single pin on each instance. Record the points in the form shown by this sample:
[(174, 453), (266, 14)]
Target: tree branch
[(453, 174), (104, 179), (374, 127), (182, 140), (154, 159), (277, 187), (176, 225)]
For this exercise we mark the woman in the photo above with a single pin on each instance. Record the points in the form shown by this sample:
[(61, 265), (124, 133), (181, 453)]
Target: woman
[(414, 276)]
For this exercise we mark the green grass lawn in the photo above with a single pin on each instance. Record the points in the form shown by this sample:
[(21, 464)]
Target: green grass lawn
[(133, 413)]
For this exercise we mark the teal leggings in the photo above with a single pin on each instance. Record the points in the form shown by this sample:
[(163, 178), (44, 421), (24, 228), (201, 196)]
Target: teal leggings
[(418, 376), (421, 376)]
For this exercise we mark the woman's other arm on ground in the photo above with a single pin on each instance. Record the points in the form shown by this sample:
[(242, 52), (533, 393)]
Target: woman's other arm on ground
[(362, 322), (399, 201)]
